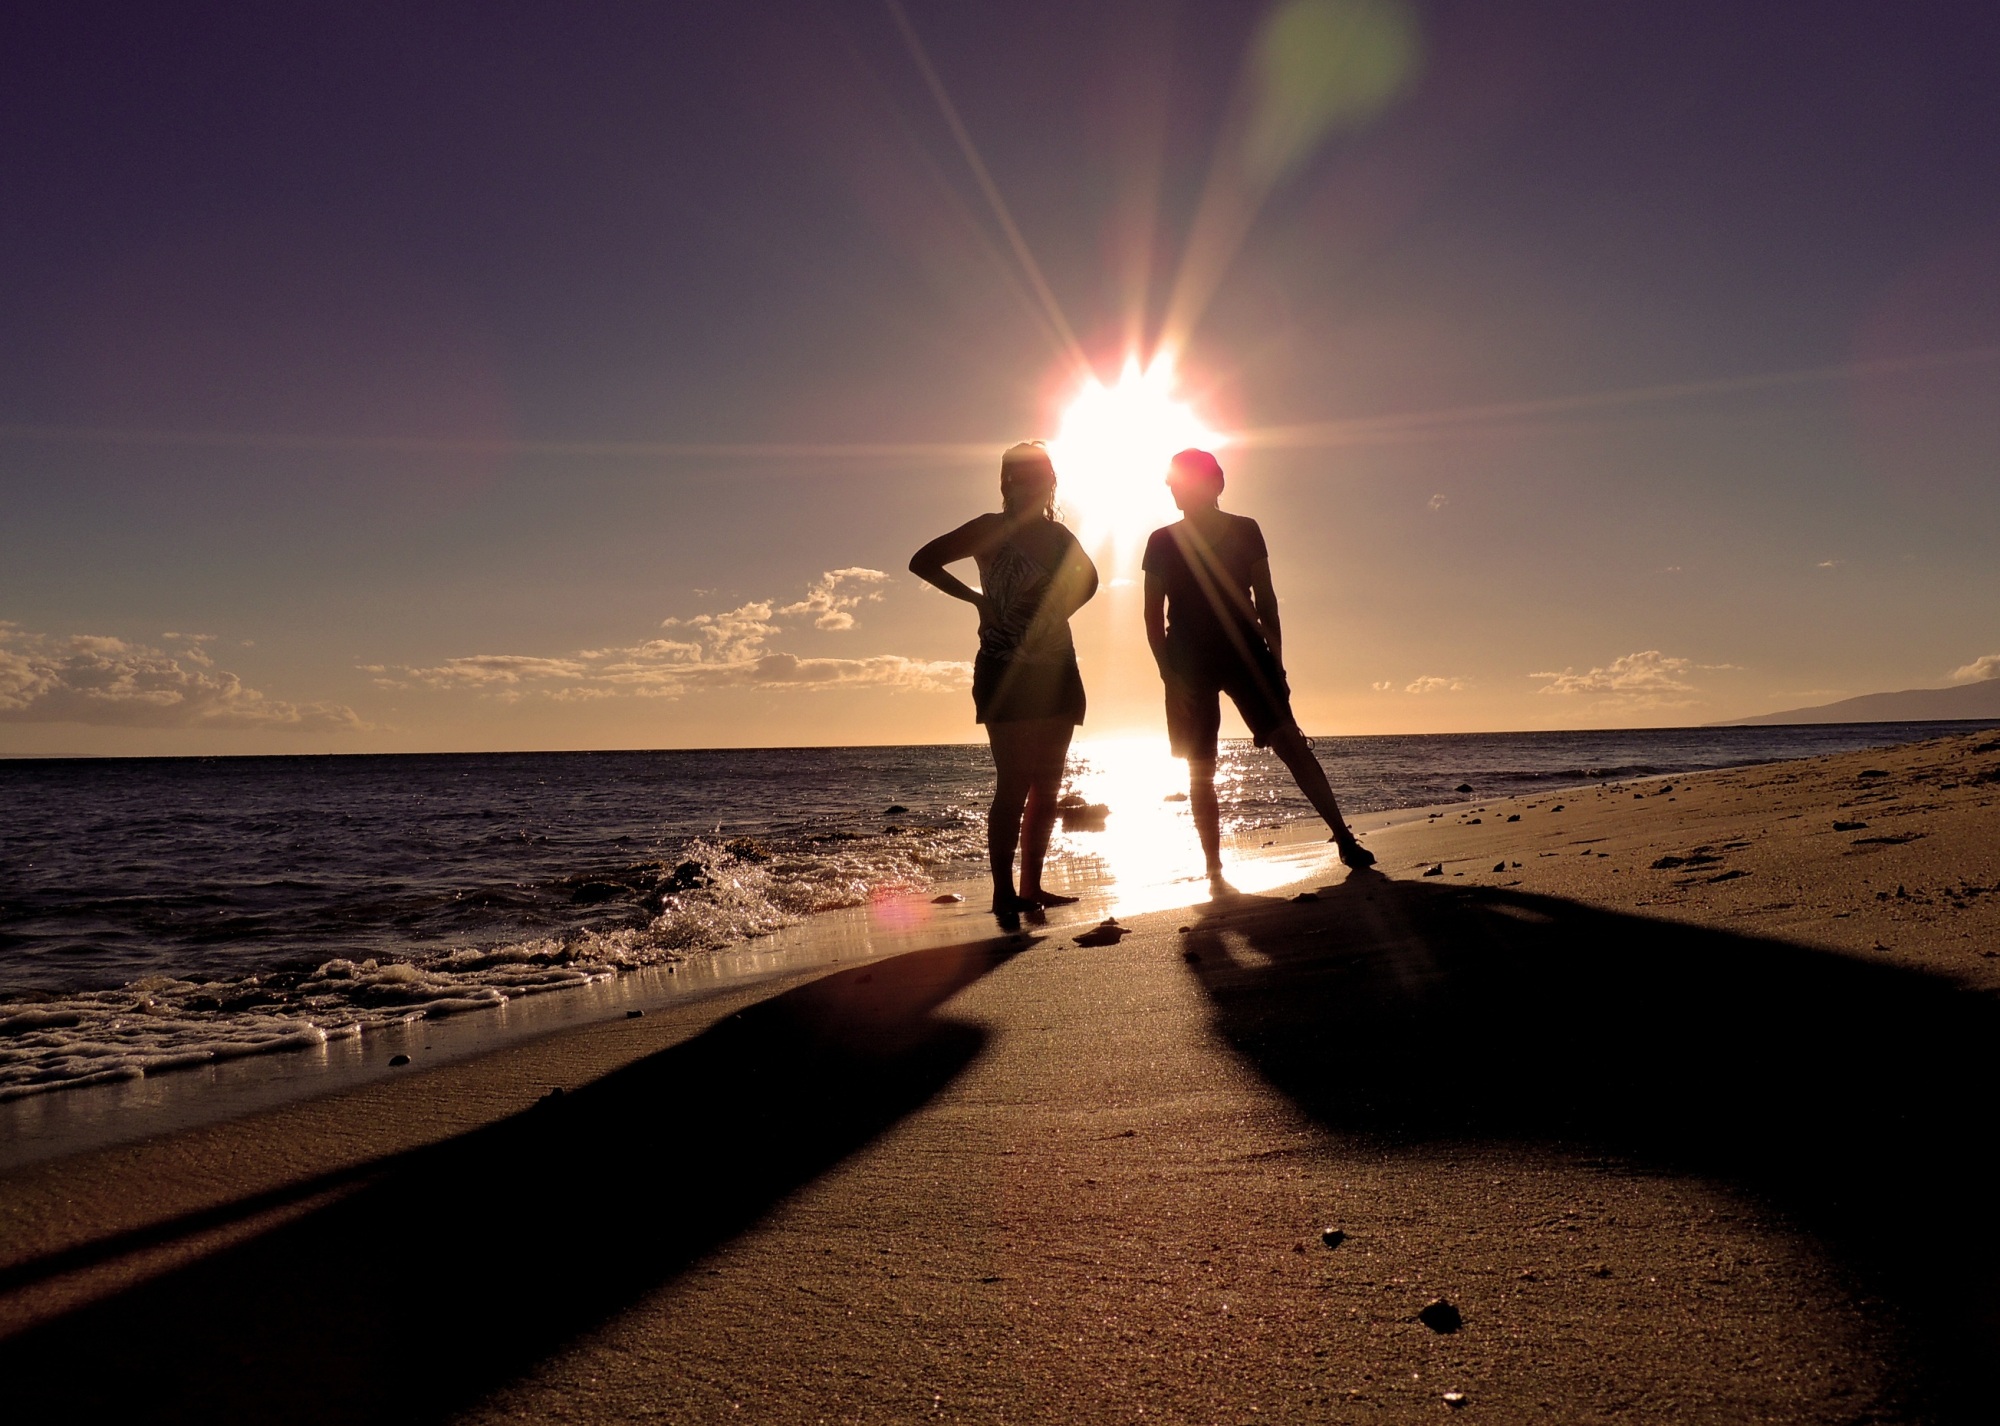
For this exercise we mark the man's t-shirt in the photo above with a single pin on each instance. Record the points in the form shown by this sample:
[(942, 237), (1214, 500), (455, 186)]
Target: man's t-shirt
[(1211, 623)]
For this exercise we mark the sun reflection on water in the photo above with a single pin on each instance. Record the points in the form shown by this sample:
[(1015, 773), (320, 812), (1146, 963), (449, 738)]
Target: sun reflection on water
[(1147, 857)]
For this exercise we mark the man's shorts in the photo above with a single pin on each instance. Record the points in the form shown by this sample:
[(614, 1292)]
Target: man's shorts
[(1194, 704)]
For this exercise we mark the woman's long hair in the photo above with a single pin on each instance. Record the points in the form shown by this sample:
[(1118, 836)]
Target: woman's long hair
[(1028, 475)]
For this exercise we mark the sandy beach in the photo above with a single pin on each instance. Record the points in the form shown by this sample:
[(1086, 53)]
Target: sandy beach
[(1678, 1091)]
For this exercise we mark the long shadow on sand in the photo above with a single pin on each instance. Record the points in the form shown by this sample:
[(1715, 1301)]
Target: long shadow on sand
[(1856, 1099), (457, 1267)]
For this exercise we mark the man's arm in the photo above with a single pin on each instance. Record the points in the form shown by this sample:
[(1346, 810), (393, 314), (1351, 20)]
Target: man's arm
[(1156, 619), (1265, 601)]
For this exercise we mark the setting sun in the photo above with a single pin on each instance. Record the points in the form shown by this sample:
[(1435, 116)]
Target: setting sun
[(1112, 449)]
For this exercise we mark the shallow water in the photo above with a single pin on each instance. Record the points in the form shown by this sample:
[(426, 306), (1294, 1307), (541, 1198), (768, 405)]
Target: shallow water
[(161, 913)]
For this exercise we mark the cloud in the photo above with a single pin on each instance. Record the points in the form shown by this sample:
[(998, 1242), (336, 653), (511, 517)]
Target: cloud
[(1382, 685), (1981, 670), (1438, 502), (107, 682), (730, 649), (1431, 683), (1828, 564), (829, 606), (1642, 677)]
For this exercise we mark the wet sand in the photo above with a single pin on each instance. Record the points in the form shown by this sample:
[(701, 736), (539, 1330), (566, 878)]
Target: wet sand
[(1686, 1114)]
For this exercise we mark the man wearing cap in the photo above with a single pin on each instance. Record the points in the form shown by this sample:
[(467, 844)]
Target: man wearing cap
[(1212, 621)]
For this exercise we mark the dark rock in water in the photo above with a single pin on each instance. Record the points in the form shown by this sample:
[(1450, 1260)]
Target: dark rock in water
[(686, 877), (1850, 826), (635, 1014), (1441, 1317), (948, 899), (592, 892), (1463, 787), (894, 808), (1307, 896), (1332, 1237), (1515, 817), (398, 1061), (1499, 866), (1081, 816), (744, 849), (1435, 869), (1109, 933)]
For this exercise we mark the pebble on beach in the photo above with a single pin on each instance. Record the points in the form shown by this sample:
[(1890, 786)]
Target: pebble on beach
[(950, 898), (1435, 869), (1332, 1237), (635, 1014), (1441, 1317), (397, 1061)]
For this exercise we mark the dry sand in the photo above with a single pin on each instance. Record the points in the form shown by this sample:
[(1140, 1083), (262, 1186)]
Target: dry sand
[(1696, 1141)]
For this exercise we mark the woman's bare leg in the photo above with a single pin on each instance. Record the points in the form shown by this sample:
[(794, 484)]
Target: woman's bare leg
[(1011, 782), (1048, 753)]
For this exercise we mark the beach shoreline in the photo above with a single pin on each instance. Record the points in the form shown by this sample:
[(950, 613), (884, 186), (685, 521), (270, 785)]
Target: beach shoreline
[(1675, 1112)]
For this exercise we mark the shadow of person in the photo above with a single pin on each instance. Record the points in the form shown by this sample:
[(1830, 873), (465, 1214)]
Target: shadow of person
[(457, 1267), (1854, 1098)]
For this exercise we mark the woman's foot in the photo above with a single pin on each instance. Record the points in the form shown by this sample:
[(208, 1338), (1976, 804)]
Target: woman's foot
[(1353, 855), (1042, 898), (1008, 904)]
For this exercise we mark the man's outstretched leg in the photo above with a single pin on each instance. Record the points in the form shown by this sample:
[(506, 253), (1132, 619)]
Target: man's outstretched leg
[(1292, 749)]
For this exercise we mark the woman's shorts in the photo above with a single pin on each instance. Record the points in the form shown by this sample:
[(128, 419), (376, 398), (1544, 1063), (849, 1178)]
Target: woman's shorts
[(1194, 704), (1014, 691)]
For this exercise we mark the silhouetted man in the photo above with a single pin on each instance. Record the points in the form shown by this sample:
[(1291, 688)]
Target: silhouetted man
[(1212, 621)]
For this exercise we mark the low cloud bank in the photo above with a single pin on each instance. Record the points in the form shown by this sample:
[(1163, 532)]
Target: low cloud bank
[(1981, 670), (1648, 679), (111, 683), (730, 649)]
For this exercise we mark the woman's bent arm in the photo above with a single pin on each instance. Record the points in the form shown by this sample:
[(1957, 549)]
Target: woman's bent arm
[(928, 563)]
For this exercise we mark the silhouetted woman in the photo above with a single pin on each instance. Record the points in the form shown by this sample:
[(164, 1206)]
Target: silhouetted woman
[(1025, 686)]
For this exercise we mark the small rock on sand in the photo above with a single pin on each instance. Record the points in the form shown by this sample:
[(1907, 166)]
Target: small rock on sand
[(396, 1061), (1440, 1316), (635, 1014), (1463, 787), (1499, 866), (950, 898), (1514, 817), (1332, 1237), (1435, 869), (1454, 1399)]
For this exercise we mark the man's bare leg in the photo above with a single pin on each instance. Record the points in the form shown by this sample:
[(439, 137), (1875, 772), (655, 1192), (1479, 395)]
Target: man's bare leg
[(1207, 816), (1291, 747)]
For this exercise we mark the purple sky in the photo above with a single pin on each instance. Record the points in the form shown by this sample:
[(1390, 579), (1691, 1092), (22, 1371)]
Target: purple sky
[(313, 317)]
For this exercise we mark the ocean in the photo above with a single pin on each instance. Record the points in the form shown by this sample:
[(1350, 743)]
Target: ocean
[(162, 913)]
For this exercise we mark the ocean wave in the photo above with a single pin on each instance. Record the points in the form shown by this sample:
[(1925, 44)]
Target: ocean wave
[(713, 895)]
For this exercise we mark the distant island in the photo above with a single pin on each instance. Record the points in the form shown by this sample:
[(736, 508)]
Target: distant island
[(1912, 705)]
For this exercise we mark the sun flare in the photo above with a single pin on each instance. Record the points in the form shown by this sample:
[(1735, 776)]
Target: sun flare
[(1111, 453)]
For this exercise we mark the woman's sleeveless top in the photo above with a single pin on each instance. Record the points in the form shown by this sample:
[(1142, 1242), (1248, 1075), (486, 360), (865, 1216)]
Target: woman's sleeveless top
[(1016, 587)]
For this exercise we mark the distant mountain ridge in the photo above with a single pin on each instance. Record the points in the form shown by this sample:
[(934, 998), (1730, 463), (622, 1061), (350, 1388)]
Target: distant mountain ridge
[(1912, 705)]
